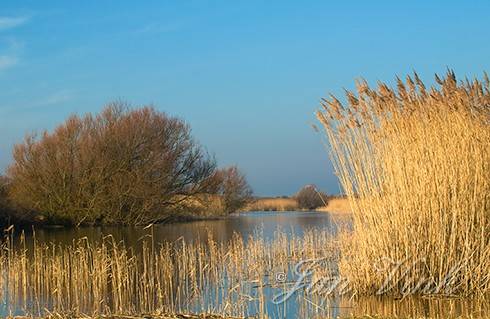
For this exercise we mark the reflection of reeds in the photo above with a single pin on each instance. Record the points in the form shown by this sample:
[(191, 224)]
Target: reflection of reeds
[(227, 278), (415, 165)]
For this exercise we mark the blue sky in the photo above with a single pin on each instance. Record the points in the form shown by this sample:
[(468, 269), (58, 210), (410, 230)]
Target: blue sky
[(246, 75)]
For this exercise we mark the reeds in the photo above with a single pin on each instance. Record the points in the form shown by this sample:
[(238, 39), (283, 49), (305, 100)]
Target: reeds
[(233, 278), (337, 206), (415, 165), (273, 204)]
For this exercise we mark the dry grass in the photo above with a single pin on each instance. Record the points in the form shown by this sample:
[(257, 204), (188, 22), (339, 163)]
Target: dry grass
[(337, 205), (273, 204), (219, 278), (215, 280), (184, 316), (142, 316), (415, 165), (204, 205)]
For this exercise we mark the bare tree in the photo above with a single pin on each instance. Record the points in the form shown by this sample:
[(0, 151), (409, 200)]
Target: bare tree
[(234, 188), (9, 212), (5, 207), (120, 166), (309, 197)]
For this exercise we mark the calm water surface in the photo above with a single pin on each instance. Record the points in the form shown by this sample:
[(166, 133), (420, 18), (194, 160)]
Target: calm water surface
[(244, 224), (265, 224)]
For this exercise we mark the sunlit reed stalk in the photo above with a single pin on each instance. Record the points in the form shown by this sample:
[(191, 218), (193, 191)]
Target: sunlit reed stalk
[(415, 165), (226, 278)]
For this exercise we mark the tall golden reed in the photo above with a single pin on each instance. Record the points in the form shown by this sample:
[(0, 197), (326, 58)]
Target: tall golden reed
[(230, 278), (415, 165)]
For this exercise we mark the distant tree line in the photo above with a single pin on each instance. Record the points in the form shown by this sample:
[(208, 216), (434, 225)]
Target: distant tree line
[(121, 166)]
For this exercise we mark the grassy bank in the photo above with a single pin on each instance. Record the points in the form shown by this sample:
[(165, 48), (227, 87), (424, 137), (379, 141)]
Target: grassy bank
[(277, 204), (415, 165), (335, 204)]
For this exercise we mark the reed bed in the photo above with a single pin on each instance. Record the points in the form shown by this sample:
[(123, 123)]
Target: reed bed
[(414, 163), (336, 206), (273, 204), (232, 278)]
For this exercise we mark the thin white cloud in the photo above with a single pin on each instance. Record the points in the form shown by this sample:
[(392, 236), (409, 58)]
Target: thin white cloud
[(51, 100), (12, 22), (56, 98), (7, 61)]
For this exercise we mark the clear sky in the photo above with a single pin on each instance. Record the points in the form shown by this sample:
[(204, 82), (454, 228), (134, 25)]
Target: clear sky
[(247, 75)]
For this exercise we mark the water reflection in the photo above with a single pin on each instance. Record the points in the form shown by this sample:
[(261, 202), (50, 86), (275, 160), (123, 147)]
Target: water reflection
[(266, 224), (418, 307), (244, 224)]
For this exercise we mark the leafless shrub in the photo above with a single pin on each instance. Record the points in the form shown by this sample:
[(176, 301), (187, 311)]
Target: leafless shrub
[(123, 165), (310, 198), (234, 188), (5, 206), (11, 213)]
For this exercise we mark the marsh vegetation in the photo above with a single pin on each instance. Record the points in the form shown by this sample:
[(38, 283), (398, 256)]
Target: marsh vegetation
[(414, 163), (219, 267), (231, 277), (308, 198), (266, 273)]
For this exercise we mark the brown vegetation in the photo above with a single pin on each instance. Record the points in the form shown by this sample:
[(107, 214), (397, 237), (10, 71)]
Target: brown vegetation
[(6, 209), (415, 165), (336, 205), (11, 213), (218, 279), (120, 166), (174, 277), (307, 198), (233, 189), (279, 204), (122, 316), (310, 198)]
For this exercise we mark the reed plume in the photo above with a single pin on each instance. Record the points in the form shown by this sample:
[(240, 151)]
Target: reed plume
[(414, 163)]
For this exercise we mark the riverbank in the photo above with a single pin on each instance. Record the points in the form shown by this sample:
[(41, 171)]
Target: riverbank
[(196, 208), (274, 204), (171, 219), (335, 204)]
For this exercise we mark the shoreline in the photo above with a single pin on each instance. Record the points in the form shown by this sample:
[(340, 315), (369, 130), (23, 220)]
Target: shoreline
[(337, 205)]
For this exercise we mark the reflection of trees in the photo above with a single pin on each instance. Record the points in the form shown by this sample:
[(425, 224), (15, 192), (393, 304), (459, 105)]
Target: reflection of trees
[(220, 229)]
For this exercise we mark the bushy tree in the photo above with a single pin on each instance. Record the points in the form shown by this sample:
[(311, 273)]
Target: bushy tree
[(123, 165), (309, 197), (9, 212), (5, 207), (234, 188)]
